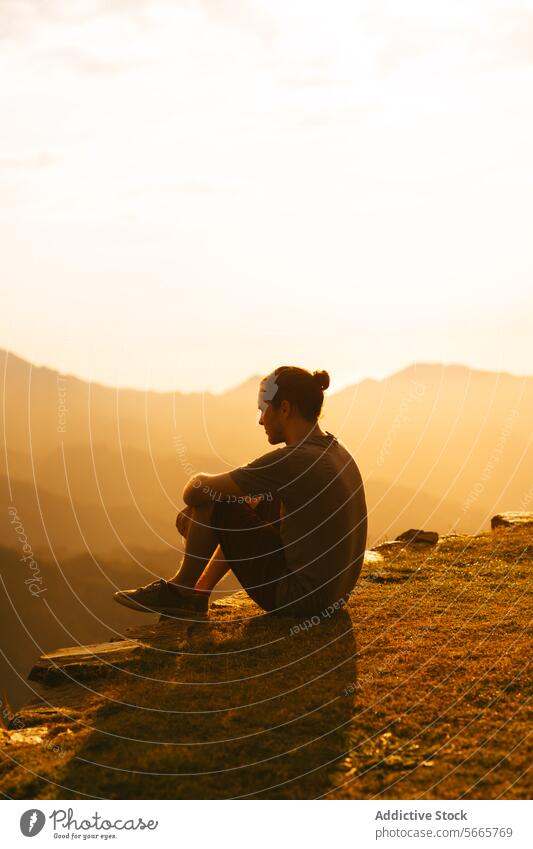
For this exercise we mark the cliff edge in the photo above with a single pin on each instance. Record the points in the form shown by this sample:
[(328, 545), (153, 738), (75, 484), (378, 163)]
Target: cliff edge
[(417, 688)]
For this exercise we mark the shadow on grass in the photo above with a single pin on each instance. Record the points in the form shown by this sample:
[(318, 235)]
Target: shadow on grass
[(240, 709)]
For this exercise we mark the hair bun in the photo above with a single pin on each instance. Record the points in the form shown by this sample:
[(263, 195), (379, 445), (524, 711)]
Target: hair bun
[(322, 378)]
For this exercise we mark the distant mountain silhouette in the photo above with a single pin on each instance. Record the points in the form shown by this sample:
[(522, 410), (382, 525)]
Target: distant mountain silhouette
[(95, 475), (455, 433), (446, 444)]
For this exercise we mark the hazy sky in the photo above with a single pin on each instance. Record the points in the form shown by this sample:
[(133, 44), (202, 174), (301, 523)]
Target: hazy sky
[(195, 191)]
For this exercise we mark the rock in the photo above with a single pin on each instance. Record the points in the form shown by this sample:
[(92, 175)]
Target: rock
[(453, 536), (419, 537), (372, 557), (80, 663), (29, 736), (388, 547), (236, 601), (511, 520), (66, 666)]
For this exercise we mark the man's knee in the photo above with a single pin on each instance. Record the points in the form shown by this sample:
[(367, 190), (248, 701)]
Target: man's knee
[(183, 521)]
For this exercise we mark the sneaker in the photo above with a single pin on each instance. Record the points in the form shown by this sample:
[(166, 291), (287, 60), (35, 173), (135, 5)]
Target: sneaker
[(166, 598)]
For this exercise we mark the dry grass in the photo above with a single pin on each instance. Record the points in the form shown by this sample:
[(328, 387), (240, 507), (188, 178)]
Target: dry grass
[(420, 689)]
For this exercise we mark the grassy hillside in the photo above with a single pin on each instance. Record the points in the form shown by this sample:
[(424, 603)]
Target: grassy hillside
[(417, 689)]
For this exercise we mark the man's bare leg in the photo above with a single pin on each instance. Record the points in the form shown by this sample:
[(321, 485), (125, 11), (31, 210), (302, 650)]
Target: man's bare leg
[(214, 571), (203, 564)]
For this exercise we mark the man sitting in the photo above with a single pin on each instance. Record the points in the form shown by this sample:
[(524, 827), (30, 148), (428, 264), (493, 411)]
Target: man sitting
[(291, 525)]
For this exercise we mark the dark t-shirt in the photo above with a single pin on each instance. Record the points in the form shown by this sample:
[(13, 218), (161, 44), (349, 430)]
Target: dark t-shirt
[(323, 514)]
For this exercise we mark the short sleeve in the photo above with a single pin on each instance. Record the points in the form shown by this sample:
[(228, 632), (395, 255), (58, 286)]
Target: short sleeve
[(266, 475)]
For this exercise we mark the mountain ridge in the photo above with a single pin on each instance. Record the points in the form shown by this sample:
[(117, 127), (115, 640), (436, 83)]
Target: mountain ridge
[(422, 366)]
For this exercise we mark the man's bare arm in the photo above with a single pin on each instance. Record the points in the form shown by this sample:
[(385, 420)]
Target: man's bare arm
[(204, 489)]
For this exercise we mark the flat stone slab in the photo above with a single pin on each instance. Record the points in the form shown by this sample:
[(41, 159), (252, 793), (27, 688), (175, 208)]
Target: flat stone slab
[(511, 520), (82, 662), (60, 677)]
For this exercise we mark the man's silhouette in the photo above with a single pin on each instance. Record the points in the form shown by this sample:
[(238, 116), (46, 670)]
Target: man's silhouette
[(291, 525)]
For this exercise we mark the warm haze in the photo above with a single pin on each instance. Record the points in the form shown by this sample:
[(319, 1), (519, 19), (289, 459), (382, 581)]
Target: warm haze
[(196, 192), (95, 475)]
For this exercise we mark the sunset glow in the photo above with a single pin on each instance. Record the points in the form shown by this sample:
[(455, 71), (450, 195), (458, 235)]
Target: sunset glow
[(192, 193)]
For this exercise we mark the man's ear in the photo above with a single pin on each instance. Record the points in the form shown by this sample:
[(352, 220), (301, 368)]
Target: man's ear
[(286, 407)]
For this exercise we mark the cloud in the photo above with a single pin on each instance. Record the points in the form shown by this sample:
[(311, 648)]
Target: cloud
[(21, 19), (18, 18), (513, 39), (193, 187), (323, 119), (323, 70), (494, 37), (242, 14), (403, 48), (41, 160), (85, 62)]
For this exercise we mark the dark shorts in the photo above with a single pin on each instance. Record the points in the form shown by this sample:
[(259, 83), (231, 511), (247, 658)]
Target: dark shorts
[(251, 542)]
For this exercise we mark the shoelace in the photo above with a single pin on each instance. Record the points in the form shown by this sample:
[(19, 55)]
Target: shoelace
[(155, 585)]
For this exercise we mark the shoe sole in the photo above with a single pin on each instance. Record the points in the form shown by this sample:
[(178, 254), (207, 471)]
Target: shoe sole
[(163, 611)]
